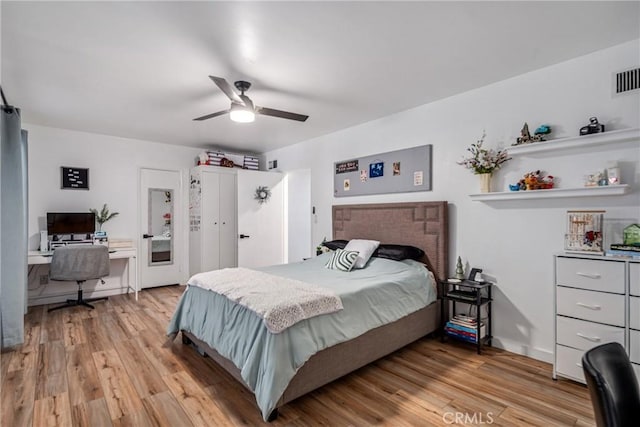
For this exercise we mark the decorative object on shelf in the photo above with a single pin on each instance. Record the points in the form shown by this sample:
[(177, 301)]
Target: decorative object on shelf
[(262, 194), (526, 138), (592, 127), (584, 232), (597, 179), (459, 271), (631, 235), (167, 218), (484, 161), (543, 130), (203, 159), (613, 173), (103, 216), (485, 182), (226, 163), (535, 180)]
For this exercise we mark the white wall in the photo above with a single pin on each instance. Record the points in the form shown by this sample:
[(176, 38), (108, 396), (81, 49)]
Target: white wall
[(113, 175), (514, 241)]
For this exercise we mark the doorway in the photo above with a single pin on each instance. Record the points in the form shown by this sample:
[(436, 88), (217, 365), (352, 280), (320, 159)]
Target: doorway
[(162, 235)]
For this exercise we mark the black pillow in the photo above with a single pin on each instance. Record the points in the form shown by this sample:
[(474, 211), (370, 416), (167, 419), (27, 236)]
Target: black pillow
[(335, 244), (398, 252)]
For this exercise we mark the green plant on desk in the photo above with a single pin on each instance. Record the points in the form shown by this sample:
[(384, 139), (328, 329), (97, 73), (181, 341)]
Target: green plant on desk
[(103, 216)]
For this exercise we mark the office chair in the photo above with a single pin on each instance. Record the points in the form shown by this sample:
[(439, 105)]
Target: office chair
[(613, 386), (79, 263)]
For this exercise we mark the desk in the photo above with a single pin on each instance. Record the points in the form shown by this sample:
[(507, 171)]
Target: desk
[(130, 254)]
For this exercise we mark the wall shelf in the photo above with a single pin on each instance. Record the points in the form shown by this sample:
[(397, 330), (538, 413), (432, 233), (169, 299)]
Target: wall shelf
[(576, 142), (608, 190)]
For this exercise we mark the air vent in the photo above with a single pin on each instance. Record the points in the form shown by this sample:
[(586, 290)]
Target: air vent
[(628, 80)]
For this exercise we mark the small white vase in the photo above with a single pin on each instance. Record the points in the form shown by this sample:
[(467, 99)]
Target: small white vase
[(485, 182)]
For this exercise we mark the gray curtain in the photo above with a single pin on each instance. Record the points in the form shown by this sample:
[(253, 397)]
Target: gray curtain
[(13, 227)]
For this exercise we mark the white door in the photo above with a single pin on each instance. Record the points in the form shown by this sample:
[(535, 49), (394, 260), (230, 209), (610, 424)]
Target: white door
[(260, 225), (162, 234), (219, 237), (298, 201)]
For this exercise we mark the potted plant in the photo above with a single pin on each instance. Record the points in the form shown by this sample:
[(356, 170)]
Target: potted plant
[(484, 162), (103, 216)]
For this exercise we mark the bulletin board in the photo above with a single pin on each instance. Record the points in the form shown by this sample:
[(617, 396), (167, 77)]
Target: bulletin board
[(400, 171)]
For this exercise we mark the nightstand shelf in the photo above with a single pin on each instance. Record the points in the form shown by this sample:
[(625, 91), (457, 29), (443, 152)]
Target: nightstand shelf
[(475, 294)]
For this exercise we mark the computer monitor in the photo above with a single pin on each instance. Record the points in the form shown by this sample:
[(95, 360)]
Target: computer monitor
[(59, 223)]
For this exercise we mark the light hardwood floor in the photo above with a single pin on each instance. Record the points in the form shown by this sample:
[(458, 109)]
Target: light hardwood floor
[(108, 367)]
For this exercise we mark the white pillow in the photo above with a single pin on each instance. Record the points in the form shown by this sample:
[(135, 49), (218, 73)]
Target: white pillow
[(365, 248)]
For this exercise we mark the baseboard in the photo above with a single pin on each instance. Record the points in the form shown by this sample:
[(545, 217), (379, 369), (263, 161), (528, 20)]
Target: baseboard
[(517, 347)]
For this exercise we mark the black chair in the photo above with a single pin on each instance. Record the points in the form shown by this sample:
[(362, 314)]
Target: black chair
[(613, 386), (79, 263)]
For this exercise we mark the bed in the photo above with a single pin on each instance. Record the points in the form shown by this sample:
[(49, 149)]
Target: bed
[(421, 224)]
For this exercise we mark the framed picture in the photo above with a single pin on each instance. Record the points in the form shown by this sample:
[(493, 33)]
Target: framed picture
[(74, 178), (376, 169), (584, 232)]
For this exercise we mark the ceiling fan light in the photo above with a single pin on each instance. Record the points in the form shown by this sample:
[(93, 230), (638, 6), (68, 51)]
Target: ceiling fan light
[(241, 114)]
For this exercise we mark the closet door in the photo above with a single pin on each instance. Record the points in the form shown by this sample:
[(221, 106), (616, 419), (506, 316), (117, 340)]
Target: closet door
[(210, 222), (228, 239)]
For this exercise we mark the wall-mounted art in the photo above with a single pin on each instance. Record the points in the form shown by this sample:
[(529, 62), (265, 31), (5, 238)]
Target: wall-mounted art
[(408, 170), (74, 178)]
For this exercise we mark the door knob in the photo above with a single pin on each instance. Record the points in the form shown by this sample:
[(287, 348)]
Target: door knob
[(244, 236), (147, 236)]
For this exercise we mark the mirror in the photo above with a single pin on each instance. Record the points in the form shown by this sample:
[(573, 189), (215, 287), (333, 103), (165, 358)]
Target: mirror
[(160, 226)]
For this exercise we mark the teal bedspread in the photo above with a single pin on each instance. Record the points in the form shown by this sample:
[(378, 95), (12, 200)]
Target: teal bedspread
[(383, 292)]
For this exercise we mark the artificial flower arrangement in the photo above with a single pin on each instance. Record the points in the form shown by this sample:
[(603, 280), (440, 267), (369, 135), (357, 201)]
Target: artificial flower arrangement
[(535, 180), (484, 160)]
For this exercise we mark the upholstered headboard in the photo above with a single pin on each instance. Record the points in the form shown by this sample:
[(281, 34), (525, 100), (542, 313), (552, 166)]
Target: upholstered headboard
[(420, 224)]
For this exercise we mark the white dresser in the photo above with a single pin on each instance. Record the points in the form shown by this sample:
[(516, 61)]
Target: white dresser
[(597, 300)]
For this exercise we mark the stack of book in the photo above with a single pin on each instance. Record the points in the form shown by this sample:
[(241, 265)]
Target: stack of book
[(465, 328), (620, 249)]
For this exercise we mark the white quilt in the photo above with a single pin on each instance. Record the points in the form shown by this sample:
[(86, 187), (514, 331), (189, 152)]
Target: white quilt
[(279, 301)]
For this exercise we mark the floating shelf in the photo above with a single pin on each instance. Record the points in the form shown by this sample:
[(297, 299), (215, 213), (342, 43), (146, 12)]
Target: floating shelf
[(576, 142), (607, 190)]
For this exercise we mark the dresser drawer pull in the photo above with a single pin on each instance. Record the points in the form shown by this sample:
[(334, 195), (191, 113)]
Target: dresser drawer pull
[(586, 337), (589, 275), (589, 306)]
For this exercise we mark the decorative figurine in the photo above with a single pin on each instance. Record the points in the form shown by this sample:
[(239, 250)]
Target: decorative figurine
[(459, 270), (535, 180), (543, 130), (592, 127), (525, 135)]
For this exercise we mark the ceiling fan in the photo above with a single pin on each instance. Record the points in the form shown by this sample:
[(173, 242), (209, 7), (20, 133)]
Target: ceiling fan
[(242, 109)]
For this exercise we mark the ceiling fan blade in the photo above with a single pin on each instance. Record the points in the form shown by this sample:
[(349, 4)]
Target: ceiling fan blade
[(212, 115), (281, 114), (227, 89)]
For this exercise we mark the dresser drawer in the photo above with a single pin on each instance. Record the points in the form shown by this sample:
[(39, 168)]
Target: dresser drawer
[(634, 346), (596, 275), (569, 363), (589, 305), (634, 278), (584, 335)]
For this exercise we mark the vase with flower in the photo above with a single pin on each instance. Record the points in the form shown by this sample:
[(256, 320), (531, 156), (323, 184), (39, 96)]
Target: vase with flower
[(484, 162)]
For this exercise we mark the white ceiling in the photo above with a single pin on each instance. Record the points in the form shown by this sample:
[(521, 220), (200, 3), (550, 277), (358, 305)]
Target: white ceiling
[(139, 69)]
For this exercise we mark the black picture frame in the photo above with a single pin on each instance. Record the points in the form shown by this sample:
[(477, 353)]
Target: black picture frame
[(72, 178), (473, 273)]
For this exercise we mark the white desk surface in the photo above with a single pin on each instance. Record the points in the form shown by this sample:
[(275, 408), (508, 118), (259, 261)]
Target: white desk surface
[(37, 257), (131, 254)]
